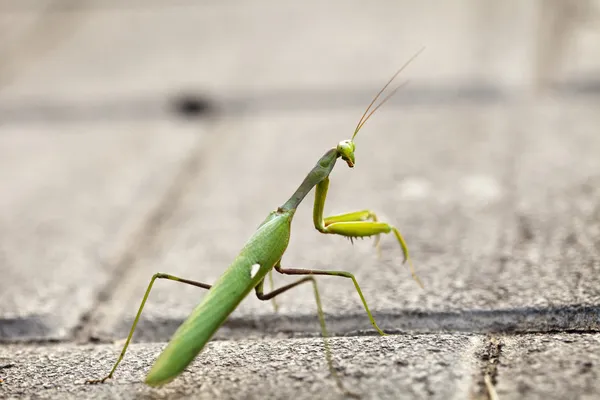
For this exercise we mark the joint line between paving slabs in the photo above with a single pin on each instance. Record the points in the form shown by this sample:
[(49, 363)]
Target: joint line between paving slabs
[(144, 237), (489, 372)]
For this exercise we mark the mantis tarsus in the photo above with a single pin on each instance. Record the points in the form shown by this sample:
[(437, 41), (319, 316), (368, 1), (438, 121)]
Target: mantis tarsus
[(261, 254)]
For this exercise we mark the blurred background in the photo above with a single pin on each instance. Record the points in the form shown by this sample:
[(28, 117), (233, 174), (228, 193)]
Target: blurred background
[(149, 136), (145, 136)]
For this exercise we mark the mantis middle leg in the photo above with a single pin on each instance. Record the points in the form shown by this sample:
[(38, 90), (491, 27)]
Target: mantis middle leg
[(271, 295)]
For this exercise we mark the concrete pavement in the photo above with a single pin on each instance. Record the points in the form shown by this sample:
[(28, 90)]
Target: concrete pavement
[(487, 163)]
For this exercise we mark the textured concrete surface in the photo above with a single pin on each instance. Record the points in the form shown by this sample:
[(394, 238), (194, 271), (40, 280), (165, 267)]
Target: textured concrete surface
[(74, 198), (233, 47), (153, 136), (423, 366), (454, 195), (555, 366)]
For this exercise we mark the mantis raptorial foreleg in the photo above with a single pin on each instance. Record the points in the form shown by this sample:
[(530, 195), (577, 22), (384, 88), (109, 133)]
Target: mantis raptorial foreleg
[(271, 295), (363, 215), (139, 313), (355, 224)]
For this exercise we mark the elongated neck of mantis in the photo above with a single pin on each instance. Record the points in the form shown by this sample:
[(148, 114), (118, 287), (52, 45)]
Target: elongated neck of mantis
[(316, 175)]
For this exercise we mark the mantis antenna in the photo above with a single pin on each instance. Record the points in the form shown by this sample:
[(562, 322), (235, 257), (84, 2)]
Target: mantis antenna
[(365, 117)]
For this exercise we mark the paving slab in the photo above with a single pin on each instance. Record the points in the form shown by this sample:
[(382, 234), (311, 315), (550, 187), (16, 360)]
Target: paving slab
[(87, 49), (404, 366), (233, 46), (90, 64), (498, 206), (549, 366), (75, 200), (497, 196)]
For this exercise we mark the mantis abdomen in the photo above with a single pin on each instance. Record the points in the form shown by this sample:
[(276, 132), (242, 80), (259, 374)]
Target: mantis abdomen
[(262, 251)]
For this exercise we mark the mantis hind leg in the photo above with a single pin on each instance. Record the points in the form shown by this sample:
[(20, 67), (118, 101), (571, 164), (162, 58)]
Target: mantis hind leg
[(355, 224), (344, 274), (272, 286), (139, 313), (271, 295)]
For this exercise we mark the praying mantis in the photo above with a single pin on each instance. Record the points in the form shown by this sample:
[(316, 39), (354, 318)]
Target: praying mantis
[(262, 253)]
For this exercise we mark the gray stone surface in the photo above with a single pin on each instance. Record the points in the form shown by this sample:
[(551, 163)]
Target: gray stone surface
[(236, 46), (75, 200), (554, 366), (422, 366), (87, 49), (493, 182), (497, 204)]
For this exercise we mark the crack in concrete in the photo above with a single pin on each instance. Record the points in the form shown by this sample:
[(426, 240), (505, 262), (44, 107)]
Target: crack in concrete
[(274, 100), (144, 238), (490, 369), (511, 321), (485, 379), (570, 319)]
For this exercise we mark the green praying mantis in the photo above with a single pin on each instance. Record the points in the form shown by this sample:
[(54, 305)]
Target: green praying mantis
[(262, 253)]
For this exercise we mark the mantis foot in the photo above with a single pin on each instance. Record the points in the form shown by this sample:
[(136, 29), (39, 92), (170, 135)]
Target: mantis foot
[(97, 381)]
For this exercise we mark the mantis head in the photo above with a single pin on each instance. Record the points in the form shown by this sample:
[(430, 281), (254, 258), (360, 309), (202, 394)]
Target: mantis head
[(345, 148)]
